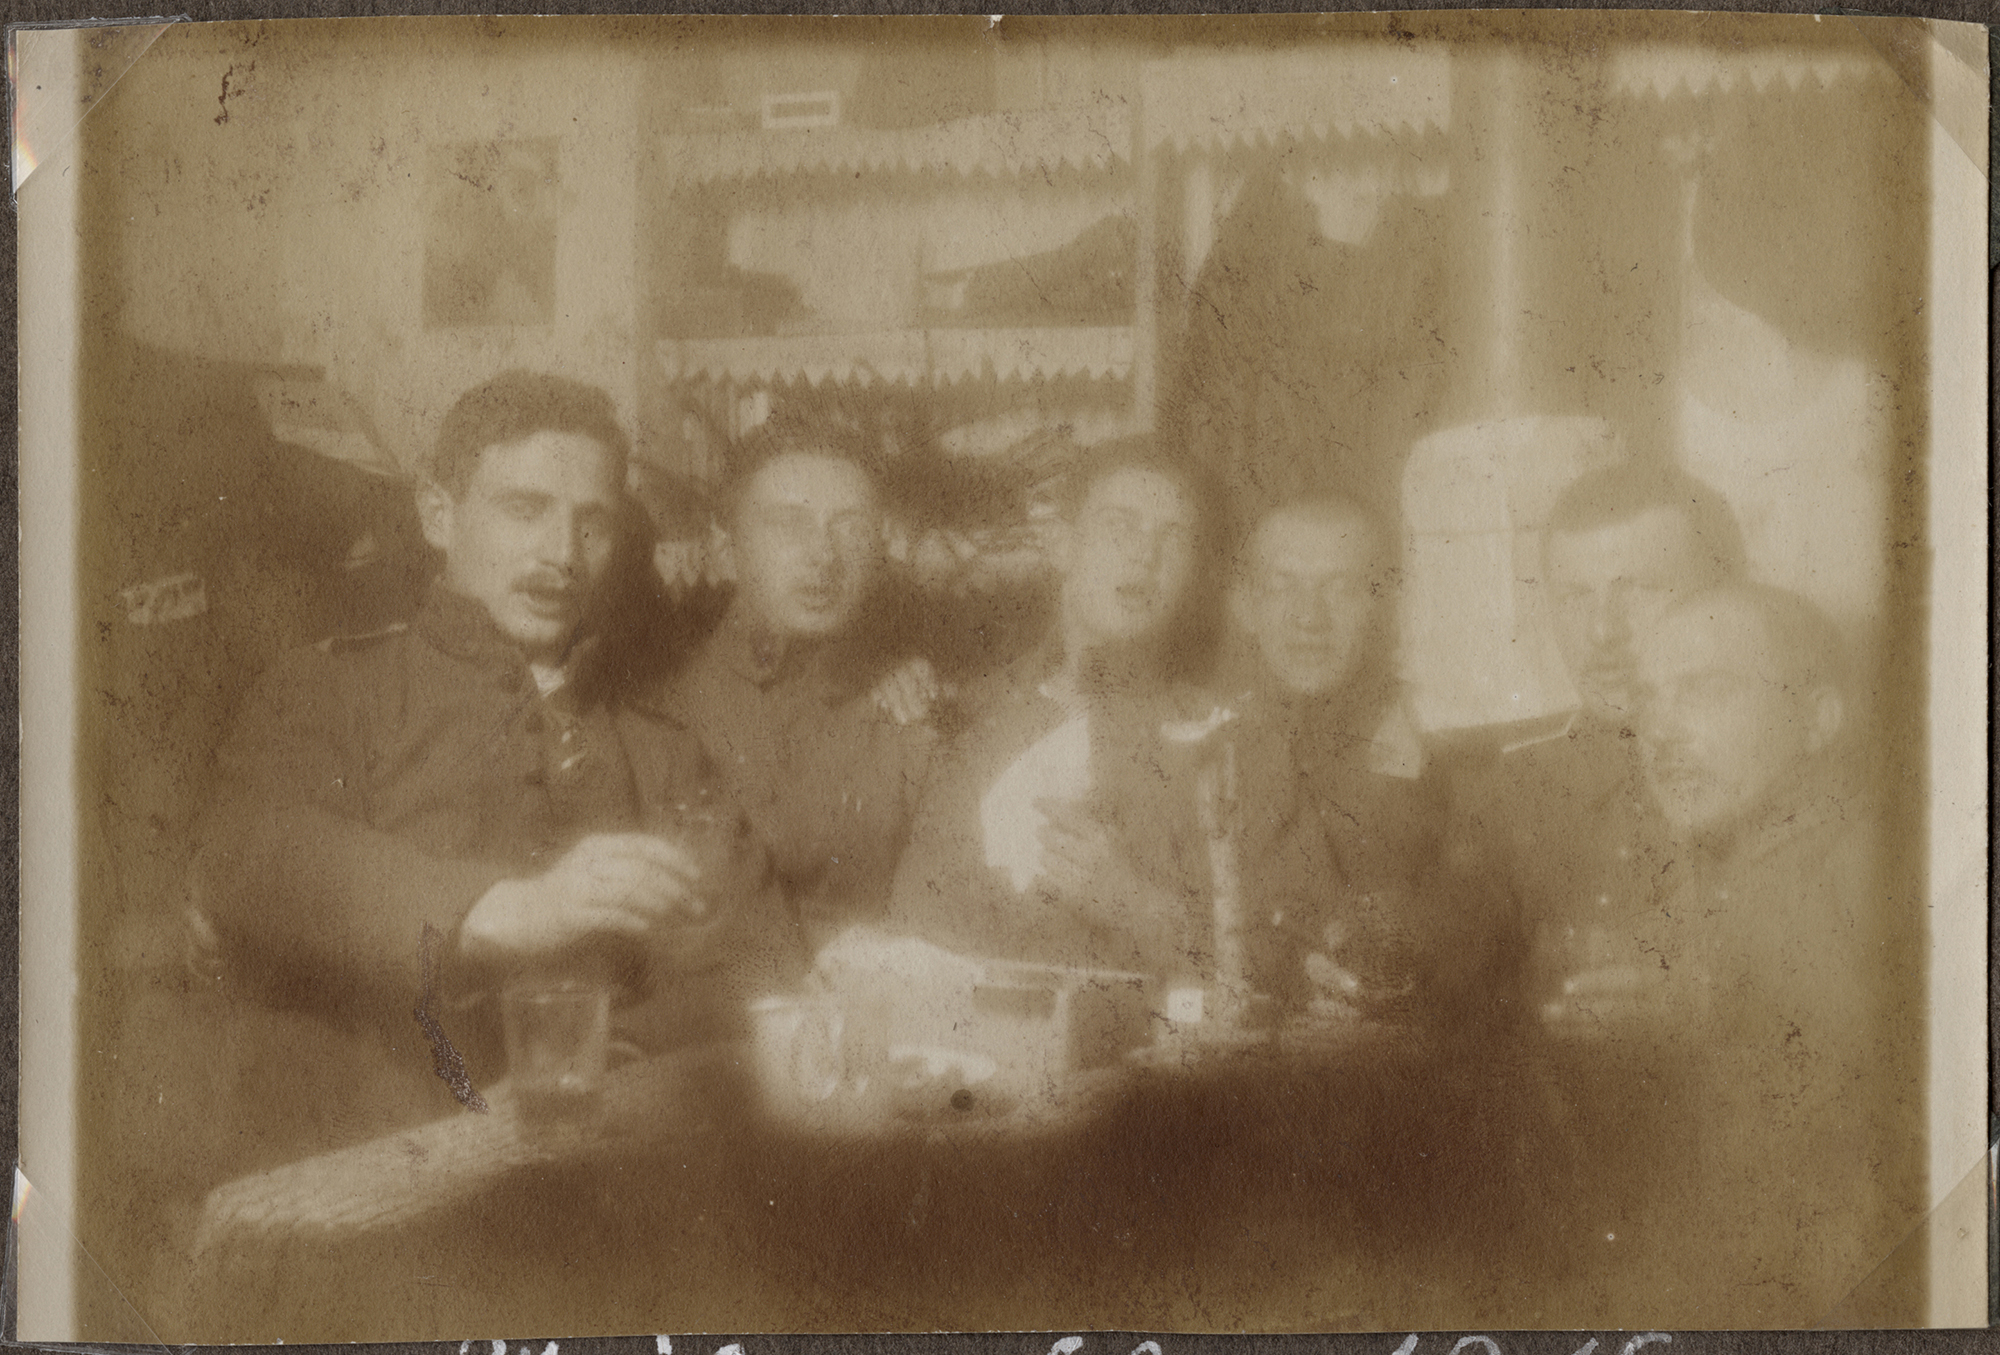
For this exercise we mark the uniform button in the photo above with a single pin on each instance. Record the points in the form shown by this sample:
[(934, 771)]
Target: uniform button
[(1603, 900)]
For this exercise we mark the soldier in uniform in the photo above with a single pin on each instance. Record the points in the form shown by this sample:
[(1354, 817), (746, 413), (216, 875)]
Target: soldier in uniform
[(1060, 826), (405, 822), (1752, 985), (818, 725), (1337, 815), (1341, 821), (1549, 837), (1559, 821)]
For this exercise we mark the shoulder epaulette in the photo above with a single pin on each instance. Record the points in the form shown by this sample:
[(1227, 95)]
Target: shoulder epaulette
[(347, 644)]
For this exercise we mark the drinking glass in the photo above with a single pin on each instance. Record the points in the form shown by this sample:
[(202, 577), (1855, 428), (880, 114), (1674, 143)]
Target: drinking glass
[(558, 1037)]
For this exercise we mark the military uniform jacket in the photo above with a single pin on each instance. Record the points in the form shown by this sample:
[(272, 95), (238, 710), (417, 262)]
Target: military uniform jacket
[(373, 790), (1551, 841), (1333, 836), (1788, 1065), (830, 781)]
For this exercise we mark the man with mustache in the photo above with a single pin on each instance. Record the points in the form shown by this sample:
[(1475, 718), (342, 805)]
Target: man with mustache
[(1750, 986), (407, 821), (818, 726)]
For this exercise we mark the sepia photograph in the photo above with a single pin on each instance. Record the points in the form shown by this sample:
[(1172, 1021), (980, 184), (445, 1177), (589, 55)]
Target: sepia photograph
[(1284, 674)]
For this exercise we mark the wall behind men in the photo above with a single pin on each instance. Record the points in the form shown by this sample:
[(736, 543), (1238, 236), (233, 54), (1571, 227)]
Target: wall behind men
[(278, 182)]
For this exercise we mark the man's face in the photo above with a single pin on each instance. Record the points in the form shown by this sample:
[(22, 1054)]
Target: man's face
[(1609, 585), (807, 536), (532, 536), (1724, 722), (1307, 600), (1128, 558)]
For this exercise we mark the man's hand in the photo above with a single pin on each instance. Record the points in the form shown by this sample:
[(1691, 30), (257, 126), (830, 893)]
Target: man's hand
[(1360, 968), (908, 694), (613, 884), (1335, 983)]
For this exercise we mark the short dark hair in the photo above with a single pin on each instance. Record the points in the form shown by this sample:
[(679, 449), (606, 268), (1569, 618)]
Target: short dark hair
[(1619, 493), (811, 430), (519, 404), (1373, 685)]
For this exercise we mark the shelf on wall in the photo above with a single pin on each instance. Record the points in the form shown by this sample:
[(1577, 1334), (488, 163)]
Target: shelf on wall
[(1218, 101), (1091, 136), (1667, 71), (905, 356)]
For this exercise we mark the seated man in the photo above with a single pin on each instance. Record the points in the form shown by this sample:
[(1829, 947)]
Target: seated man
[(1750, 987), (407, 821), (823, 743), (1057, 828), (1551, 832), (1339, 828), (1548, 839)]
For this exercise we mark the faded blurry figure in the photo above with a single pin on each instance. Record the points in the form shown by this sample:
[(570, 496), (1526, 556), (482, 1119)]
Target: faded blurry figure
[(819, 726), (1060, 825), (1555, 829), (1125, 560), (1610, 581), (1337, 824), (1341, 821), (1751, 992), (1057, 834), (1552, 842)]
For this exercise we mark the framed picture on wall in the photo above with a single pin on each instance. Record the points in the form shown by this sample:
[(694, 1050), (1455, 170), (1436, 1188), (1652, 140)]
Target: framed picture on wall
[(490, 233)]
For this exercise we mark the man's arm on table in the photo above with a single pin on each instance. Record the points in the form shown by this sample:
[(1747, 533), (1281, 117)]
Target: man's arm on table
[(300, 885)]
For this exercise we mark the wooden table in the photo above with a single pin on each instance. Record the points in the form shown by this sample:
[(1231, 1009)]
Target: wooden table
[(1208, 1178), (1202, 1182), (456, 1227)]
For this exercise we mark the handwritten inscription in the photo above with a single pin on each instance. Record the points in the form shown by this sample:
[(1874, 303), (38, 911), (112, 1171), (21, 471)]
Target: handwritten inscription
[(1071, 1345)]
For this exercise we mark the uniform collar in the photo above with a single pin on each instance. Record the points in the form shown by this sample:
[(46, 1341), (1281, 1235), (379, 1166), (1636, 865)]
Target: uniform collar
[(463, 628), (1318, 726), (755, 652)]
